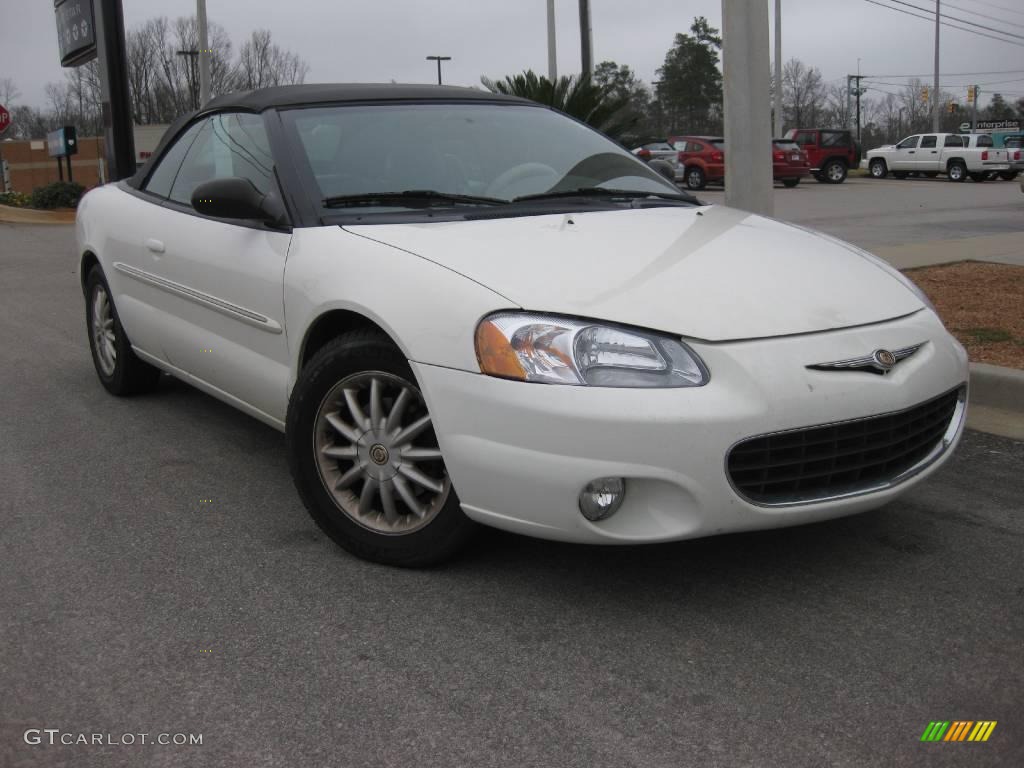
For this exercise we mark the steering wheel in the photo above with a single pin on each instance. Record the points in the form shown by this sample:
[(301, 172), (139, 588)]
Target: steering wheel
[(511, 183)]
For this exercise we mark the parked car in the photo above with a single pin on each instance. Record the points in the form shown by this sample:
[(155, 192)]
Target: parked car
[(956, 155), (1015, 155), (511, 321), (661, 150), (701, 158), (702, 161), (830, 152), (789, 162)]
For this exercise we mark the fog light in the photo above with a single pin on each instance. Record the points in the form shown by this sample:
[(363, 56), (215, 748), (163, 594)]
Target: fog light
[(602, 498)]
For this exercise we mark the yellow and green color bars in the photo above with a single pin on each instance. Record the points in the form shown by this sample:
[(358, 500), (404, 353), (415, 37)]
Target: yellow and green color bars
[(958, 730)]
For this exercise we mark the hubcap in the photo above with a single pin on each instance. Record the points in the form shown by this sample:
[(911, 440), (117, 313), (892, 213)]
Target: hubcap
[(835, 172), (377, 453), (103, 337), (694, 179)]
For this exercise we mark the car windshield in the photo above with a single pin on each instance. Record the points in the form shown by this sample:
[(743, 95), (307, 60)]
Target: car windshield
[(471, 150)]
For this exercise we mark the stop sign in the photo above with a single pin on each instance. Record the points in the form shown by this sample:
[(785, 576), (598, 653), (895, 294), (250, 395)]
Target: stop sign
[(5, 118)]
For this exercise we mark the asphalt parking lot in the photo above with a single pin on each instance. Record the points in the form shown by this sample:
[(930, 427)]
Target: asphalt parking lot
[(160, 575)]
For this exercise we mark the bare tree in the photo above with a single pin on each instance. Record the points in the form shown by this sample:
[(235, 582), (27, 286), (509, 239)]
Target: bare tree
[(262, 63), (9, 92), (802, 94)]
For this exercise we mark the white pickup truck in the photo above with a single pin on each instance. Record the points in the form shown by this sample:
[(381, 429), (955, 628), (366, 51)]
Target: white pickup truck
[(954, 154)]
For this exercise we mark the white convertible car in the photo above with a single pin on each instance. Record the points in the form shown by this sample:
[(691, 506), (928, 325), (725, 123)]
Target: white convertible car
[(464, 308)]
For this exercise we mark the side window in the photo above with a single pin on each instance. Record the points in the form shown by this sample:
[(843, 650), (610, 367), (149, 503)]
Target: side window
[(953, 141), (227, 145), (908, 143), (162, 178), (835, 139), (927, 142), (805, 138), (984, 140)]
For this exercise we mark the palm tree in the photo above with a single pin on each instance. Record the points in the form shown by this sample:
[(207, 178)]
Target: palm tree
[(576, 95)]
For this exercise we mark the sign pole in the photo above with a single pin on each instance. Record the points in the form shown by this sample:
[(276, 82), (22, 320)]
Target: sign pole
[(117, 111)]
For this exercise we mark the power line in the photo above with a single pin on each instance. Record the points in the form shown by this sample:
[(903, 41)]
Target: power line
[(946, 23), (949, 74), (984, 15), (994, 5), (958, 19)]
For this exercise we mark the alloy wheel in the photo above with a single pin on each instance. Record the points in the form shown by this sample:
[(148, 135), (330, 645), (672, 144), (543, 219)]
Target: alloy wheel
[(103, 335), (377, 453), (835, 172)]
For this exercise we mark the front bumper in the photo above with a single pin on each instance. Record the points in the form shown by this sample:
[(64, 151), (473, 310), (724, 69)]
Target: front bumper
[(519, 453)]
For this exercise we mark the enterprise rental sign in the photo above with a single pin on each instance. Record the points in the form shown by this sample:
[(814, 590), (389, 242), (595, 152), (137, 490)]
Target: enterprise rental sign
[(76, 31)]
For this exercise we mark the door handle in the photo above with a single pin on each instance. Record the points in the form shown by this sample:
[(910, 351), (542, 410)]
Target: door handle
[(155, 246)]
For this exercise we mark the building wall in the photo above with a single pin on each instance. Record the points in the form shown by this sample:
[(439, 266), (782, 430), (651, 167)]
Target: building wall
[(31, 166)]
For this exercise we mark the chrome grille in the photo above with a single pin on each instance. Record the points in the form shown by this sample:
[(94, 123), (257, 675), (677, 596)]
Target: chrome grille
[(820, 462)]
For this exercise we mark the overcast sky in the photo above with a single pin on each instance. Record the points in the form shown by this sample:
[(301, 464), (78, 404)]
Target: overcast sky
[(381, 40)]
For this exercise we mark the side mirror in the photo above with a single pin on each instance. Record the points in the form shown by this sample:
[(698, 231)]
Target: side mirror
[(236, 198)]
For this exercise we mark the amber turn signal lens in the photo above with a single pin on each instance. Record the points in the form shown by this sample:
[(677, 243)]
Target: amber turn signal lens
[(495, 354)]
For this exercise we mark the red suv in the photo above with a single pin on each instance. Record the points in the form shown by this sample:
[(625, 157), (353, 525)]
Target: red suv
[(831, 152), (702, 161)]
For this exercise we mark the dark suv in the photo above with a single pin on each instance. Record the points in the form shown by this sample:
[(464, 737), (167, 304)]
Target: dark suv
[(830, 152)]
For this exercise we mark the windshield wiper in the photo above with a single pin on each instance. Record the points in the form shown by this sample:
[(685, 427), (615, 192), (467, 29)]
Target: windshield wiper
[(605, 192), (410, 198)]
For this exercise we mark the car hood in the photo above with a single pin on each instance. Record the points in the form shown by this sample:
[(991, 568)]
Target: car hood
[(884, 147), (709, 272)]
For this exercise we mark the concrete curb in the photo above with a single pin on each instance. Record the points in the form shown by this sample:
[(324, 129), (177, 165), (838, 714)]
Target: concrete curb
[(11, 215), (997, 387)]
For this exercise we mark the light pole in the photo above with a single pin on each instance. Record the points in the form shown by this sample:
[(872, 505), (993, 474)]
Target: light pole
[(935, 98), (778, 69), (192, 56), (586, 39), (204, 53), (439, 59), (552, 55)]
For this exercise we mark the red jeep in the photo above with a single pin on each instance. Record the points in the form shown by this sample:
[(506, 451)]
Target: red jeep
[(831, 152)]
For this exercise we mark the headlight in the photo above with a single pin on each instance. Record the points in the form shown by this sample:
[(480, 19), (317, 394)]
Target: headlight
[(556, 350)]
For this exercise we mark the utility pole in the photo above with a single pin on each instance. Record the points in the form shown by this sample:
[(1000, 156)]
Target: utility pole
[(777, 91), (586, 39), (935, 100), (748, 124), (856, 92), (972, 96), (439, 59), (204, 54), (552, 57)]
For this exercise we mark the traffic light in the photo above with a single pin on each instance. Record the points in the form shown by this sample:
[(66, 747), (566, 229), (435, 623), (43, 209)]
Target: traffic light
[(970, 92), (924, 94), (951, 107)]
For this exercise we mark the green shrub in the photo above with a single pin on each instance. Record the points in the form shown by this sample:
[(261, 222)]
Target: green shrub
[(15, 199), (59, 194)]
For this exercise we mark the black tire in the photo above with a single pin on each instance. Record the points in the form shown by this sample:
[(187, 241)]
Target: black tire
[(956, 171), (694, 178), (1008, 175), (355, 353), (128, 375), (834, 171), (790, 183), (900, 174), (878, 169), (978, 177)]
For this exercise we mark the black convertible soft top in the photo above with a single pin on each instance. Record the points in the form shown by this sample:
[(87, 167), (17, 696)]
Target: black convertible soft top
[(320, 93)]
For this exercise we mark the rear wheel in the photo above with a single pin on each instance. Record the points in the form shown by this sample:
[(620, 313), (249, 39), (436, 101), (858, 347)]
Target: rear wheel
[(956, 171), (120, 371), (790, 182), (878, 169), (695, 178), (365, 458), (1008, 175), (834, 171)]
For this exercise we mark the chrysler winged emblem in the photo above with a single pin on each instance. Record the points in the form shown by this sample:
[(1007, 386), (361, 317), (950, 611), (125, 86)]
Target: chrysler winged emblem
[(880, 361)]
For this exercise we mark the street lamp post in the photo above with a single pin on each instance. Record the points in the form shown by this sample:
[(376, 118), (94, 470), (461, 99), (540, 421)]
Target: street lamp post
[(439, 59), (192, 56)]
